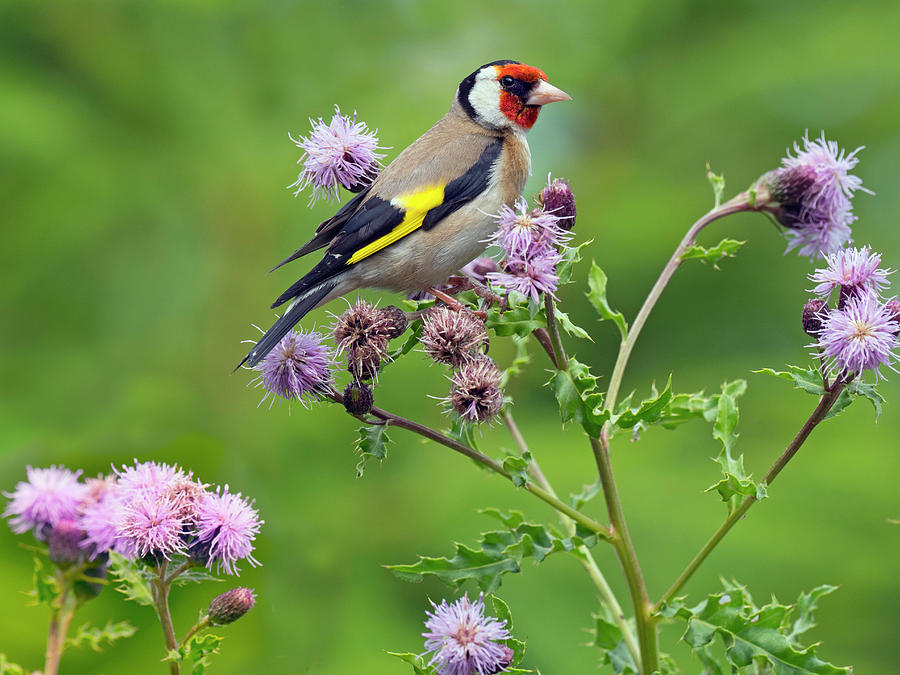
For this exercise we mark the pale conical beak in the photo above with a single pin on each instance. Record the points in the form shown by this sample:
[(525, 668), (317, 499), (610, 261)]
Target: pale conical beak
[(545, 93)]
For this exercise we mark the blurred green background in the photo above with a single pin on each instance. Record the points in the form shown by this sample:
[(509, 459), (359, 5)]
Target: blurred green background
[(144, 158)]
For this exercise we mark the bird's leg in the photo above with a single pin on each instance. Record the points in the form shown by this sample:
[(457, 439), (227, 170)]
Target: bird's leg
[(452, 302)]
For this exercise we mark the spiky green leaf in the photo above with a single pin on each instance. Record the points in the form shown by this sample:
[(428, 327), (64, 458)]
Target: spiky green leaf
[(45, 584), (807, 379), (724, 249), (194, 656), (133, 577), (517, 320), (597, 295), (650, 411), (96, 638), (371, 444), (571, 256), (717, 181), (569, 327), (607, 636)]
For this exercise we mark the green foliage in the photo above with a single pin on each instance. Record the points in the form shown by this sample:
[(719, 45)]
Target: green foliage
[(727, 248), (520, 360), (462, 430), (588, 492), (8, 668), (718, 185), (498, 552), (517, 466), (194, 656), (650, 411), (95, 638), (46, 585), (194, 574), (371, 444), (569, 327), (810, 380), (414, 335), (418, 662), (755, 636), (578, 397), (597, 295), (607, 636), (516, 320), (135, 580), (571, 256)]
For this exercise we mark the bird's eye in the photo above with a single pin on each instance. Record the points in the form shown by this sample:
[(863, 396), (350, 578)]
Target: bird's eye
[(507, 81)]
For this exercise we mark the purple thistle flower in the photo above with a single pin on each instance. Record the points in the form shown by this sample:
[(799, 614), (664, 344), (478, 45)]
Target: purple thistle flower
[(99, 520), (64, 543), (151, 526), (810, 195), (529, 276), (147, 478), (341, 153), (47, 497), (227, 524), (855, 270), (298, 367), (861, 336), (521, 233), (557, 198), (463, 641)]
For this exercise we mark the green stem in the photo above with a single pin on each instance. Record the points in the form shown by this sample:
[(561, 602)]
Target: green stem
[(740, 203), (584, 554), (60, 618), (825, 404), (202, 624), (560, 358), (646, 628), (183, 567), (488, 462), (161, 588)]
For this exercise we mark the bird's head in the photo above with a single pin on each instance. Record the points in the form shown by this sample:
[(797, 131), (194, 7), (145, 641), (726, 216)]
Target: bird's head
[(507, 95)]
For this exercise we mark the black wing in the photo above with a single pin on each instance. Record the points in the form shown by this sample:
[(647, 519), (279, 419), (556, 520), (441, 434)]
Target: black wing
[(467, 187)]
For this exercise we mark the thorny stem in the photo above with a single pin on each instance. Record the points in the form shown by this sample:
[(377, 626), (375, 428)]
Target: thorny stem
[(621, 541), (161, 588), (183, 567), (739, 203), (201, 625), (560, 359), (825, 404), (59, 624), (584, 554), (395, 420)]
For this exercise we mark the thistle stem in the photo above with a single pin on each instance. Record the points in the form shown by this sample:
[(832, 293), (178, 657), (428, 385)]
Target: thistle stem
[(201, 625), (585, 557), (825, 404), (60, 618), (161, 587), (559, 354), (739, 203), (621, 541)]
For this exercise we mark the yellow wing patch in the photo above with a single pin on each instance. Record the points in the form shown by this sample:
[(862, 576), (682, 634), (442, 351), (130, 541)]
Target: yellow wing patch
[(415, 205)]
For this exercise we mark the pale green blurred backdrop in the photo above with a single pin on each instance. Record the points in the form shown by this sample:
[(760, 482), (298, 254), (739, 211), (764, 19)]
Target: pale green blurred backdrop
[(144, 155)]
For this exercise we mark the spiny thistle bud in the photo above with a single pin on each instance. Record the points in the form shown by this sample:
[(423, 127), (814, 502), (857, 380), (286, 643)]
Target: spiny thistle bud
[(505, 661), (358, 398), (361, 325), (64, 543), (393, 321), (364, 361), (475, 390), (557, 198), (231, 605), (479, 268), (452, 336), (813, 316), (810, 195)]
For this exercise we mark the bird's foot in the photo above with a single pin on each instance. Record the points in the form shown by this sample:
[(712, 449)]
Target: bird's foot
[(454, 304)]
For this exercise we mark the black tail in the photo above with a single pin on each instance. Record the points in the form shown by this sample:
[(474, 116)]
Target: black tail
[(287, 321)]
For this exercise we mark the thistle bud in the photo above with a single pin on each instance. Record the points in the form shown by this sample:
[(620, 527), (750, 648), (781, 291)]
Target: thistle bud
[(505, 661), (358, 398), (393, 321), (893, 306), (231, 605), (64, 543), (453, 336), (475, 390), (364, 361), (557, 198), (812, 316)]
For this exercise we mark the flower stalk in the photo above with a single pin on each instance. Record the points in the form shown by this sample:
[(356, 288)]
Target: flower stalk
[(60, 618), (161, 587)]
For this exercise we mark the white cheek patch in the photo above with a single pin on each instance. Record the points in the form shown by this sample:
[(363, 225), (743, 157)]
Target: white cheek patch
[(485, 99)]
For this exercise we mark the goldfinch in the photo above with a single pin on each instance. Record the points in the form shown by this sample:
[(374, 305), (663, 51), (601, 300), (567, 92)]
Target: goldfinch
[(428, 213)]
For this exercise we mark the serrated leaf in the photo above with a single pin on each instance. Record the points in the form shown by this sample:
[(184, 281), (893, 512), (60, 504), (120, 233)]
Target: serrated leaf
[(569, 327), (750, 634), (807, 379), (650, 411), (95, 638), (500, 610), (575, 391), (46, 587), (717, 181), (194, 575), (497, 553), (588, 492), (608, 638), (735, 481), (9, 668), (685, 407), (371, 444), (724, 249), (517, 320), (571, 256), (597, 295), (803, 618), (134, 579), (419, 664), (518, 468), (194, 656), (571, 407)]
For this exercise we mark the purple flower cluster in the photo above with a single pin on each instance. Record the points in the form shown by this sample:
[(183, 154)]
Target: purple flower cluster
[(530, 241), (148, 510), (463, 641), (298, 367), (341, 153), (861, 332), (810, 195)]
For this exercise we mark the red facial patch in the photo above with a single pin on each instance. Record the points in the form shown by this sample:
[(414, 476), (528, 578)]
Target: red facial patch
[(516, 111), (521, 72)]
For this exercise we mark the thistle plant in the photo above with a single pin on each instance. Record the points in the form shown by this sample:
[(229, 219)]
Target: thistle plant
[(145, 528), (853, 325)]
